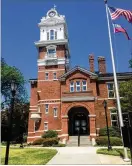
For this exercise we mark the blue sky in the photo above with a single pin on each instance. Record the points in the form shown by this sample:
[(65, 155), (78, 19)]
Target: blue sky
[(87, 29)]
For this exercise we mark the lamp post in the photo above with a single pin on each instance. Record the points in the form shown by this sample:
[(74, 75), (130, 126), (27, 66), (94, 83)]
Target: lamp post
[(105, 107), (13, 92)]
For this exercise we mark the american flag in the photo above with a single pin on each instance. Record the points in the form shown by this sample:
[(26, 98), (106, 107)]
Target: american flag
[(117, 12)]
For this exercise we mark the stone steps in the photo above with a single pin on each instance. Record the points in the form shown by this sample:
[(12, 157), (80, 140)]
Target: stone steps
[(84, 141)]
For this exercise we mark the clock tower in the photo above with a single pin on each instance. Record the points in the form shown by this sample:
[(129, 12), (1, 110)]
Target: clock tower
[(53, 46), (53, 61)]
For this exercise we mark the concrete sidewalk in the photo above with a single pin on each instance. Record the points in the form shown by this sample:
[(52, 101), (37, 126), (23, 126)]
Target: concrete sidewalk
[(83, 155)]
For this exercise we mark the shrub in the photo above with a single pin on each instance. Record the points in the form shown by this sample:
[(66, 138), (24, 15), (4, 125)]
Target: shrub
[(113, 131), (103, 141), (38, 141), (46, 141), (25, 138), (50, 141), (50, 134), (59, 145)]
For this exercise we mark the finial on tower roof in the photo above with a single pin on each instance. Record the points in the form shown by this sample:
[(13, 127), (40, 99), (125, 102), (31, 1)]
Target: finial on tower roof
[(55, 6)]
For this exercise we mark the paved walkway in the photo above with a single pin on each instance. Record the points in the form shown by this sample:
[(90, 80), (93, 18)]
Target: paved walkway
[(83, 155)]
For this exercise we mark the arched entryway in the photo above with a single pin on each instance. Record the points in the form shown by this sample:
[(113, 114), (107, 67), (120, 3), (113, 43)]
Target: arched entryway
[(78, 120)]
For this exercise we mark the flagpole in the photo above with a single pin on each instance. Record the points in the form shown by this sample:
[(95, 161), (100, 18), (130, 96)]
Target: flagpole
[(115, 81)]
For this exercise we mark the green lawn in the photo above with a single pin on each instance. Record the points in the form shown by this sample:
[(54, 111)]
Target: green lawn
[(114, 152), (28, 156)]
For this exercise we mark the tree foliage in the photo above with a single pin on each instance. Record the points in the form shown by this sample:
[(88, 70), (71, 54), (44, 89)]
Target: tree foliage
[(126, 94), (130, 62), (21, 104), (8, 74), (20, 121)]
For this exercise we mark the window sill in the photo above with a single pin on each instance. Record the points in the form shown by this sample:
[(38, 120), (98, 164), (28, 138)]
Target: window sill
[(112, 98), (45, 130)]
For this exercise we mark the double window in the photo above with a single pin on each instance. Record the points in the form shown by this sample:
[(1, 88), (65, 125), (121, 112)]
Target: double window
[(80, 86), (114, 118)]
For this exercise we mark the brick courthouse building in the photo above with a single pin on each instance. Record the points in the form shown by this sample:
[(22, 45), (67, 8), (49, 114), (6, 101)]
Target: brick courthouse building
[(65, 99)]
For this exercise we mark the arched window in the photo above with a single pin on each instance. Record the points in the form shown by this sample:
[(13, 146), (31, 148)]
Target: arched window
[(53, 35)]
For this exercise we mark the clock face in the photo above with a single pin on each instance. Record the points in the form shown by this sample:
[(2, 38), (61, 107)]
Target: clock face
[(52, 14)]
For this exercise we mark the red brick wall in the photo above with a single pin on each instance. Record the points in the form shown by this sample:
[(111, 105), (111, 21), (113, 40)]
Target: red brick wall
[(51, 92)]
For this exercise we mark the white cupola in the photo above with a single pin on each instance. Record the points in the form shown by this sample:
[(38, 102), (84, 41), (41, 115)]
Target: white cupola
[(53, 26)]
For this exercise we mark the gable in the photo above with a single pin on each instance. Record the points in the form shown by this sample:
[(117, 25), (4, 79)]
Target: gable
[(78, 73)]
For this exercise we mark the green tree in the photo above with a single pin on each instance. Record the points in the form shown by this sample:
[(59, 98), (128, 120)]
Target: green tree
[(9, 73), (21, 105), (130, 63), (20, 121), (126, 93)]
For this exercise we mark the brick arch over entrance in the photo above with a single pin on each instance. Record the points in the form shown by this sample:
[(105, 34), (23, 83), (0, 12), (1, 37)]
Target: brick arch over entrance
[(66, 107), (78, 105)]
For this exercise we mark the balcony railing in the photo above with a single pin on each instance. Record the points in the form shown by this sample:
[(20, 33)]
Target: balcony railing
[(51, 56)]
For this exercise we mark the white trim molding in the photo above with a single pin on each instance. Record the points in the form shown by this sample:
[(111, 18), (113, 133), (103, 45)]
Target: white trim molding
[(33, 106), (49, 103), (50, 100), (111, 107), (34, 137), (63, 135), (46, 70), (48, 80), (64, 116), (31, 132), (33, 109), (93, 134), (92, 116)]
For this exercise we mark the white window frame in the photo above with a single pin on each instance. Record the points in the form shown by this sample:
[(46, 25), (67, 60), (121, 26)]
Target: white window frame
[(46, 108), (54, 75), (52, 35), (55, 112), (113, 90), (47, 126), (46, 76), (71, 86), (84, 85), (78, 86), (113, 113)]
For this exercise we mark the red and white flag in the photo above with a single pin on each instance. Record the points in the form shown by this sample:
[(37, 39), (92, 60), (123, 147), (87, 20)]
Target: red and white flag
[(117, 12), (119, 28)]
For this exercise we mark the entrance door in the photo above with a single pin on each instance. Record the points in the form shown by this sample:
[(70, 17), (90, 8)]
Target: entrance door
[(80, 123)]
